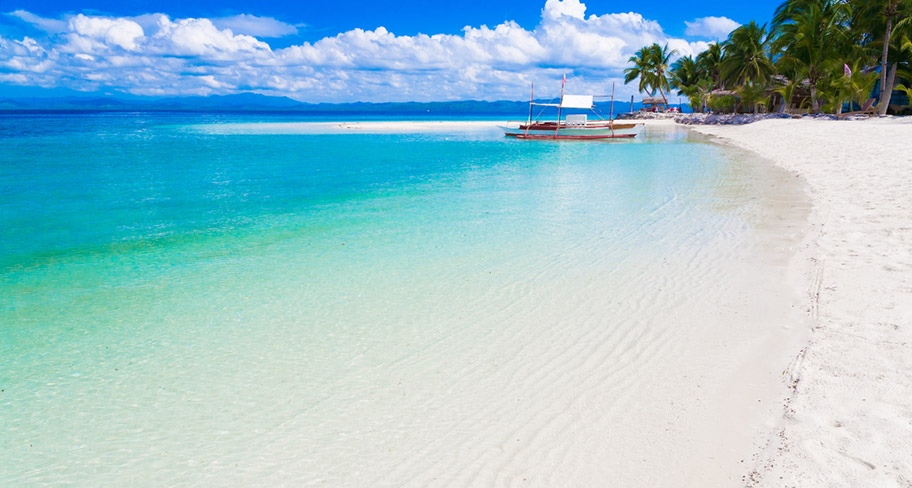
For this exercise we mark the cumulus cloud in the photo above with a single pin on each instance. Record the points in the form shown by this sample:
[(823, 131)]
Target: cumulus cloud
[(200, 37), (252, 25), (711, 27), (554, 9), (116, 32), (154, 54)]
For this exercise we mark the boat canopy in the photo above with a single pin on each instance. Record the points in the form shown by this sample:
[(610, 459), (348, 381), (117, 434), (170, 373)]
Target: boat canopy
[(576, 101)]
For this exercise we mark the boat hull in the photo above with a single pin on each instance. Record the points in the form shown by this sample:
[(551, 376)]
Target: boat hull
[(552, 131)]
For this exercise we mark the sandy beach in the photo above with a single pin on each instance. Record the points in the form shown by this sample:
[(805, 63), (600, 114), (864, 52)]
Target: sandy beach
[(847, 423), (709, 306), (845, 416), (448, 309), (363, 127)]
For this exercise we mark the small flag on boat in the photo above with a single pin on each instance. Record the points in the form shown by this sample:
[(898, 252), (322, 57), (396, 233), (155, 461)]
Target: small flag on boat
[(848, 71), (564, 80)]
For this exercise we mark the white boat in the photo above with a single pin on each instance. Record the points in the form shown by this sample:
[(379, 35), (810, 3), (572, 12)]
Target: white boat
[(575, 126)]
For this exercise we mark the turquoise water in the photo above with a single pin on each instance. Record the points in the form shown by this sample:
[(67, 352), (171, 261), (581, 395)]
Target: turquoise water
[(177, 300)]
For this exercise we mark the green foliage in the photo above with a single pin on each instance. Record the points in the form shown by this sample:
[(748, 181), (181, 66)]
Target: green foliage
[(787, 90), (640, 69), (811, 36), (722, 103), (858, 86), (709, 62), (907, 90), (650, 65), (687, 78), (684, 73), (804, 50), (747, 56), (753, 95)]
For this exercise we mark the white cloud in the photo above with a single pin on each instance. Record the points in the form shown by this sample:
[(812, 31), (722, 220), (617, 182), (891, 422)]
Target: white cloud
[(252, 25), (554, 9), (155, 54), (48, 25), (711, 27), (200, 37), (119, 32)]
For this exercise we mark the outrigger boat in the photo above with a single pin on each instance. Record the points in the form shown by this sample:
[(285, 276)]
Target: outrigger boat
[(576, 126)]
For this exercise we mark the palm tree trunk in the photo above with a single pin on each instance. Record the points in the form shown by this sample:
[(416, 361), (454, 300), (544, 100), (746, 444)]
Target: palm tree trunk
[(891, 78), (815, 107), (884, 91)]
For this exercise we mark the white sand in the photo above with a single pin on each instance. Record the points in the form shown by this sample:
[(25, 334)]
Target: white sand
[(590, 373), (374, 127), (849, 421), (421, 126), (442, 125)]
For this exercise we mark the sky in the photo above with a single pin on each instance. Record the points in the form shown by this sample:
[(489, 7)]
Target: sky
[(346, 50)]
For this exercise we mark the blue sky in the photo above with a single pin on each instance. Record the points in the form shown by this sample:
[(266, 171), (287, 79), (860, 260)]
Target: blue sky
[(344, 50)]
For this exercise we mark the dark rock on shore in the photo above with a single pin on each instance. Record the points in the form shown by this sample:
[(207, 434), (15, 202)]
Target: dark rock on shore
[(728, 119), (648, 116)]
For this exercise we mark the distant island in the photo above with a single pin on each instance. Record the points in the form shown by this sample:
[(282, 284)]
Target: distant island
[(254, 102)]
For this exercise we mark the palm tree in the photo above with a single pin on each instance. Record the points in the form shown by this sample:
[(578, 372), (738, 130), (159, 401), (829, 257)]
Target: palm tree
[(860, 84), (640, 69), (687, 79), (710, 62), (906, 45), (807, 44), (854, 87), (884, 17), (660, 58), (753, 95), (650, 65), (787, 91), (747, 58), (810, 36)]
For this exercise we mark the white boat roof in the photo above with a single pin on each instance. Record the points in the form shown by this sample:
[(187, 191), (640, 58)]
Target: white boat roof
[(576, 101)]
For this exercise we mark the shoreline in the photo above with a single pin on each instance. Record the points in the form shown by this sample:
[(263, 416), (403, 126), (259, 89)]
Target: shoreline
[(846, 422), (843, 419), (591, 369), (745, 399), (843, 389), (370, 127), (631, 327)]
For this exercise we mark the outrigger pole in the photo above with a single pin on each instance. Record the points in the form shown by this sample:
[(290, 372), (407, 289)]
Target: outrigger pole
[(611, 110), (563, 82), (531, 101)]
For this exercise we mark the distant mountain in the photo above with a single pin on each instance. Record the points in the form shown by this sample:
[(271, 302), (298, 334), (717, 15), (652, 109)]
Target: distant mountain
[(64, 103), (253, 102), (239, 101)]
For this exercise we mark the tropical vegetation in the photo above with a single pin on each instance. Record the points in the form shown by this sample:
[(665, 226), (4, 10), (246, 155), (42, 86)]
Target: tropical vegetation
[(812, 56), (650, 65)]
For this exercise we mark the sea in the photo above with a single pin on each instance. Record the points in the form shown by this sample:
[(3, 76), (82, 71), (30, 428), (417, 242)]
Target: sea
[(254, 299)]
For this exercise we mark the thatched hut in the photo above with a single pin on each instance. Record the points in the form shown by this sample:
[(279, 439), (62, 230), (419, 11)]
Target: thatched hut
[(652, 104)]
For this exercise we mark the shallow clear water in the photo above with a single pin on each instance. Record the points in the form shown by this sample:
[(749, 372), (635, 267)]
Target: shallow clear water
[(181, 304)]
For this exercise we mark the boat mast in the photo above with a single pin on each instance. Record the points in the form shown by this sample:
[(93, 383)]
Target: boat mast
[(563, 82), (611, 110), (531, 101)]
